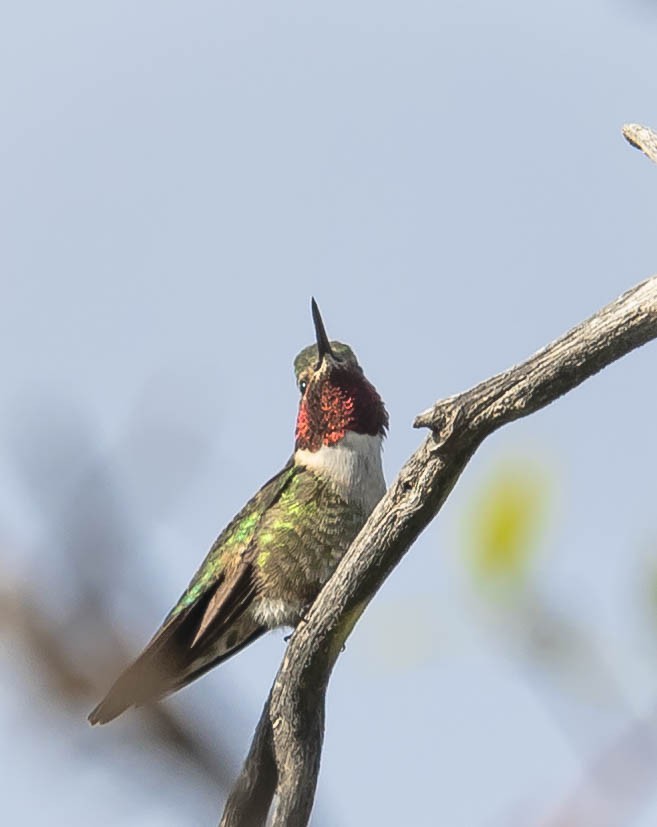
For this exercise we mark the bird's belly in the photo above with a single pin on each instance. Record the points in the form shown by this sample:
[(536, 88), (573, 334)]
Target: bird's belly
[(291, 588), (300, 542), (277, 611), (294, 578)]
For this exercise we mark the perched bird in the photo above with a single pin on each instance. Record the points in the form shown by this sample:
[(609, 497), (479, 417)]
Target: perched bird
[(269, 563)]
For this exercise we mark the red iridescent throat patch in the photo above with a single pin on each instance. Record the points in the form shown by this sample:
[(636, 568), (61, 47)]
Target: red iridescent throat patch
[(341, 402)]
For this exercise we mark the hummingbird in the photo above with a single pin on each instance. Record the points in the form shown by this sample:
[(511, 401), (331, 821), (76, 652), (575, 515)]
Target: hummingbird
[(270, 562)]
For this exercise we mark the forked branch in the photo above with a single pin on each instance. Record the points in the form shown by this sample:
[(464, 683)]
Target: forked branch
[(283, 762)]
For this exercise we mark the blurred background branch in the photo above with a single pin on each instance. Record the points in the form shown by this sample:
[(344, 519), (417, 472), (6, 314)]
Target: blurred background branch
[(89, 535)]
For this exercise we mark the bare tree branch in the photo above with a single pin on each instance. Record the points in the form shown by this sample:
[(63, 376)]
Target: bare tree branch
[(291, 726), (283, 762)]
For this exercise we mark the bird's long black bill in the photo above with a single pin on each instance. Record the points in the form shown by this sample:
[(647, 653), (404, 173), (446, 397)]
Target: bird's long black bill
[(323, 343)]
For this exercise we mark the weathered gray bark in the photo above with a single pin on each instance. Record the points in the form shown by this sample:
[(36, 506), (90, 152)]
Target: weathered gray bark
[(283, 762), (642, 138)]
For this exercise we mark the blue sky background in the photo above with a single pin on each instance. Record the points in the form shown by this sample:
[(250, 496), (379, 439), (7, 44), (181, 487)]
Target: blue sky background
[(450, 182)]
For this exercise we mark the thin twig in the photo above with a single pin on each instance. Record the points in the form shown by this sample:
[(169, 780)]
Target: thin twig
[(643, 138)]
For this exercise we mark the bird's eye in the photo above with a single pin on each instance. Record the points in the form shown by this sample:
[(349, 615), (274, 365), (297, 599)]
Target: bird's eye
[(303, 385)]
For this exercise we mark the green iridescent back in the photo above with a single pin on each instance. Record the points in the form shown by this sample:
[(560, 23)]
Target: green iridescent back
[(297, 527), (234, 540)]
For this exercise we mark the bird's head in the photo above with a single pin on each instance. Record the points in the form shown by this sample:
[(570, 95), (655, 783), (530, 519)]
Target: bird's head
[(336, 396)]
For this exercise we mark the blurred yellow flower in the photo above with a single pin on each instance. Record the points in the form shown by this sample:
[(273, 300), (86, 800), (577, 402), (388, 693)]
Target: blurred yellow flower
[(505, 522)]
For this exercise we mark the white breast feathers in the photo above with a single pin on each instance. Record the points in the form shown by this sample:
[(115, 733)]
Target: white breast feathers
[(353, 465)]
